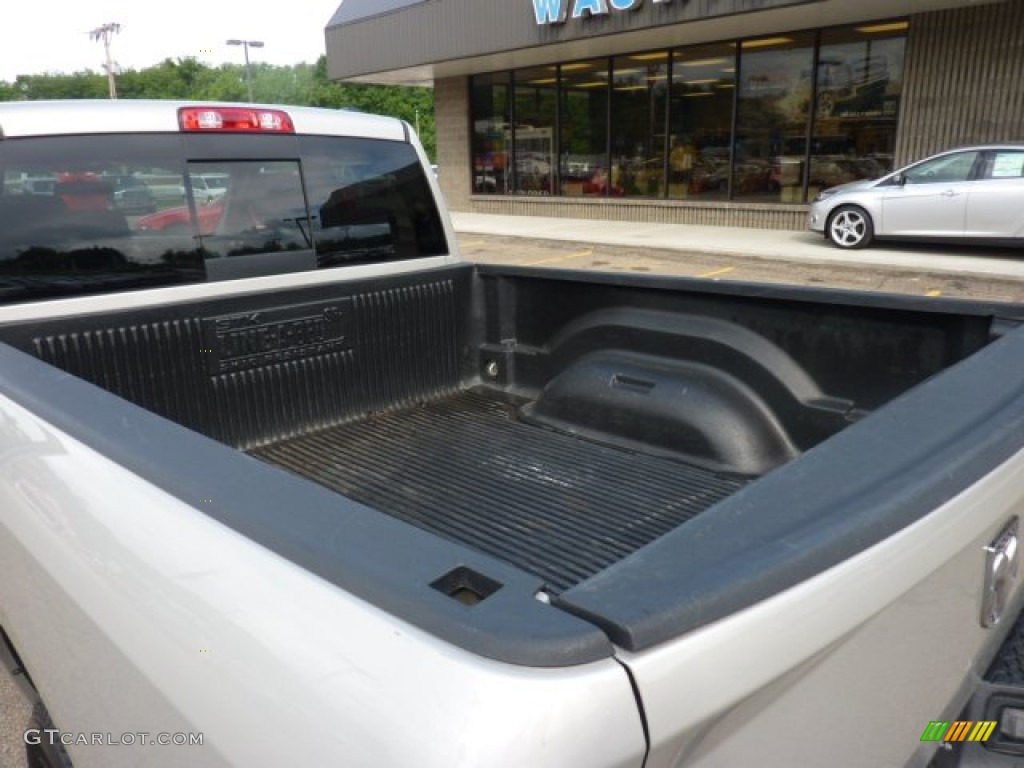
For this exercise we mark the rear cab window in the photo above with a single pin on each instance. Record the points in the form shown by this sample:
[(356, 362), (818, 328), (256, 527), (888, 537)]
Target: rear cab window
[(100, 213)]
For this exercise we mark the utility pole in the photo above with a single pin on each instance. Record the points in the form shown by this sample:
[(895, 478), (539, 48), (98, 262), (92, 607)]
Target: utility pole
[(247, 44), (104, 33)]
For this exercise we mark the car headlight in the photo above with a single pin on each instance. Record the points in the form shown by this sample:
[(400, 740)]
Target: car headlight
[(825, 193)]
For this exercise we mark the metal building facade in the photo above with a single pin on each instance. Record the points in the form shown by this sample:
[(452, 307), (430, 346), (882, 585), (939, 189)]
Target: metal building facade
[(961, 82)]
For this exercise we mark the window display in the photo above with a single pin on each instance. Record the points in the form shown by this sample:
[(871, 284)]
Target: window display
[(769, 119)]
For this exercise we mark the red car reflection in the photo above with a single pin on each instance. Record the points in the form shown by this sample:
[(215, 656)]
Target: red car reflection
[(180, 219), (84, 192)]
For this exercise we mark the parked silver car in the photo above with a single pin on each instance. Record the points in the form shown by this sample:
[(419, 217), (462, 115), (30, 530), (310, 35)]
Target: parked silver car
[(971, 192)]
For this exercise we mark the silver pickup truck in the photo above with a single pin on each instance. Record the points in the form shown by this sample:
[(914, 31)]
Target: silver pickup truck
[(283, 482)]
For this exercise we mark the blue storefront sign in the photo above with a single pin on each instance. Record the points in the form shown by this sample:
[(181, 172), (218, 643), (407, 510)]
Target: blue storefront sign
[(558, 11)]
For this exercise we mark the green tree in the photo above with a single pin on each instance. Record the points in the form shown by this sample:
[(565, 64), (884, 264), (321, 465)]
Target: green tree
[(188, 79), (181, 79), (80, 85), (282, 85), (9, 92), (414, 104)]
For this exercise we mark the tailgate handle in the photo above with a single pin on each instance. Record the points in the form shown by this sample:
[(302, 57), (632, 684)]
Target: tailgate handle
[(1002, 564)]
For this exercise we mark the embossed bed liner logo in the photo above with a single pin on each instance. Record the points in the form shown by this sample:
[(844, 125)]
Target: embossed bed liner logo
[(255, 339)]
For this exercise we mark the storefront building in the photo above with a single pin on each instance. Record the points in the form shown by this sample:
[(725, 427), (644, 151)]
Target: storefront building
[(729, 112)]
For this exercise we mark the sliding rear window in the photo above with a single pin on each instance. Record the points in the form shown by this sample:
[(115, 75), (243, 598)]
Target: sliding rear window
[(93, 214)]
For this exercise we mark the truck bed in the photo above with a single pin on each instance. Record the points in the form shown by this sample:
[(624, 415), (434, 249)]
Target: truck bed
[(468, 468), (645, 455)]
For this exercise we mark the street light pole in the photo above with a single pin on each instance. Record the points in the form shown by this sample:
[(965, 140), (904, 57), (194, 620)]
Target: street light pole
[(246, 45)]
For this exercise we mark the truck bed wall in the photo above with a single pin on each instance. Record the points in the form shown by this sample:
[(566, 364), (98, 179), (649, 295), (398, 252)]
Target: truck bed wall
[(737, 378), (249, 371), (860, 347), (608, 356)]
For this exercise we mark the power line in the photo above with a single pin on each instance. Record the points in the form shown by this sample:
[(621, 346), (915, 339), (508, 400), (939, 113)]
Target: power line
[(104, 33)]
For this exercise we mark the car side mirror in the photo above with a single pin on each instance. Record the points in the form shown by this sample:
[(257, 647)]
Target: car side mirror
[(899, 179)]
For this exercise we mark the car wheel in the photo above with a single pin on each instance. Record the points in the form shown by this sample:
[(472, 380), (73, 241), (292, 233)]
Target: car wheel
[(850, 227)]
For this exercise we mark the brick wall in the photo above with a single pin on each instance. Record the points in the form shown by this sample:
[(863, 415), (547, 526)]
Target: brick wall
[(451, 109), (656, 211)]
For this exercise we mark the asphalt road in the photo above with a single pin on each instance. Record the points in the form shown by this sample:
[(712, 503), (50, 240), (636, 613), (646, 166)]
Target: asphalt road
[(892, 278), (14, 719)]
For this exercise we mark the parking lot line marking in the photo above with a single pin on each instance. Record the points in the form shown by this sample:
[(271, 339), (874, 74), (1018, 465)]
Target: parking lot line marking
[(557, 259), (934, 293), (717, 272)]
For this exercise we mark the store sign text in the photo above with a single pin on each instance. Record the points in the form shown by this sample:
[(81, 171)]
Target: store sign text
[(557, 11)]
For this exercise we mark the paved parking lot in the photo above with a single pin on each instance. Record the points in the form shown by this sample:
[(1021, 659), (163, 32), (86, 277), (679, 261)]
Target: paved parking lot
[(14, 719), (718, 253)]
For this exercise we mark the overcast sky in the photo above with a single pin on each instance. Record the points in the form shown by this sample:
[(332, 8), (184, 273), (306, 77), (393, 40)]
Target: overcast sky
[(53, 35)]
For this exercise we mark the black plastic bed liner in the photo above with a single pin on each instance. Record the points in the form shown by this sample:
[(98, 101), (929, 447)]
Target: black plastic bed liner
[(465, 467)]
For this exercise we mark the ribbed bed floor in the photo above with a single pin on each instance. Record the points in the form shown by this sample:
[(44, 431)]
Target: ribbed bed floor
[(561, 507)]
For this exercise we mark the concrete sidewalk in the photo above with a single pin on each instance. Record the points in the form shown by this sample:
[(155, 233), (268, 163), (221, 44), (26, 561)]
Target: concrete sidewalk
[(803, 247)]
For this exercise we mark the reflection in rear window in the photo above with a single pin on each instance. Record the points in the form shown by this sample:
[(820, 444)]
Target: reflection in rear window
[(371, 201), (82, 215)]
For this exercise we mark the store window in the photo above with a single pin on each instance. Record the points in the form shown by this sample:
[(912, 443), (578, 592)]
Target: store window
[(860, 81), (491, 133), (700, 121), (770, 119), (639, 99), (585, 169), (533, 136), (773, 110)]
